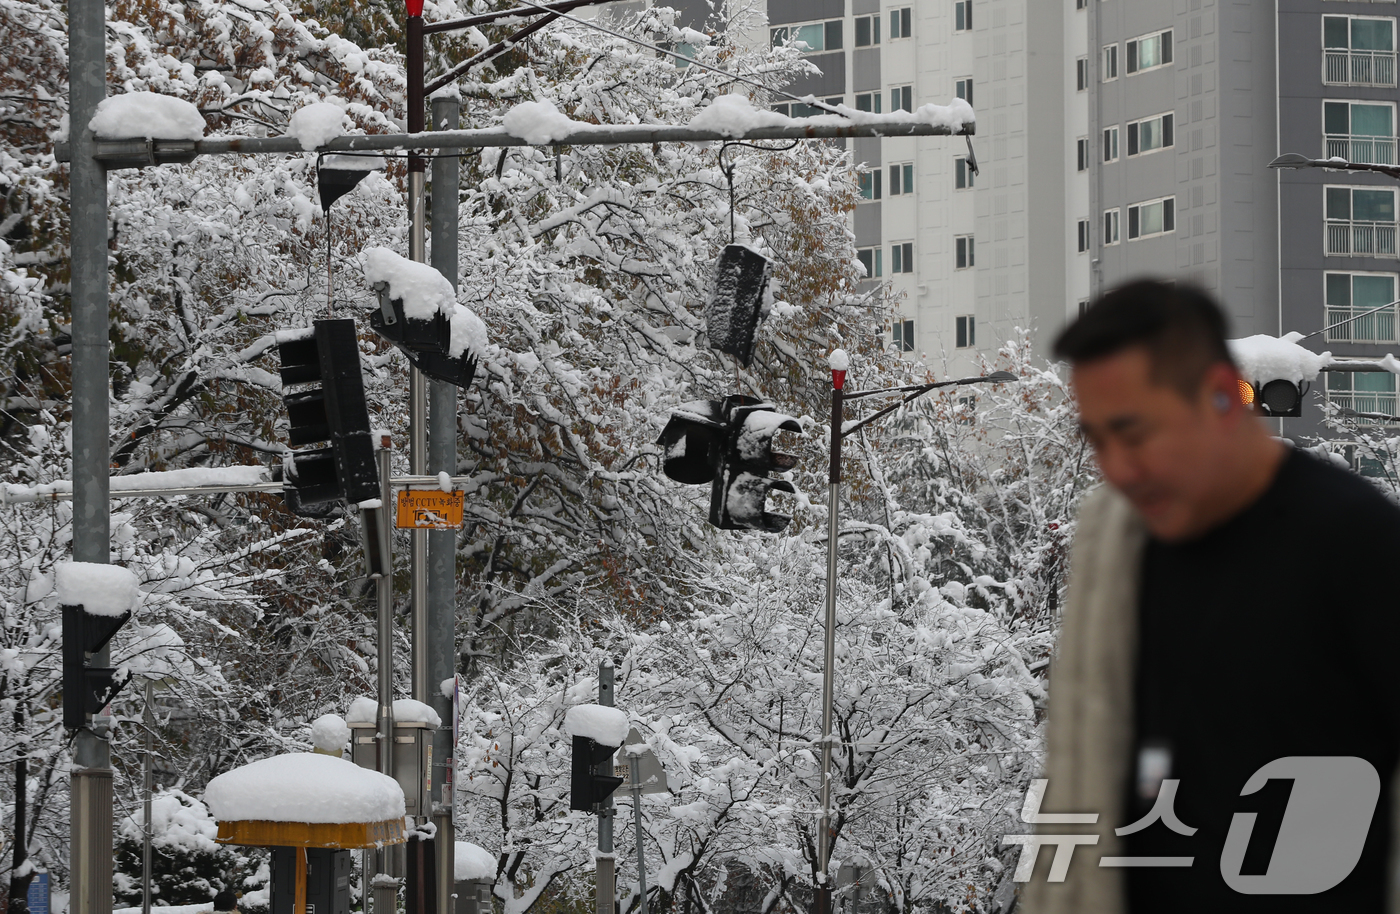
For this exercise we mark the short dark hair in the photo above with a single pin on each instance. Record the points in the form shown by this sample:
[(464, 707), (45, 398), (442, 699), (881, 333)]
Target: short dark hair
[(1180, 326), (225, 901)]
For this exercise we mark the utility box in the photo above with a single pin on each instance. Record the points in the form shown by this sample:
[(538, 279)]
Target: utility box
[(473, 896), (327, 880), (413, 760)]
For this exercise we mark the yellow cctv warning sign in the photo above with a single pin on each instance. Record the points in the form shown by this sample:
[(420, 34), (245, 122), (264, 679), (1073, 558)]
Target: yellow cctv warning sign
[(429, 509)]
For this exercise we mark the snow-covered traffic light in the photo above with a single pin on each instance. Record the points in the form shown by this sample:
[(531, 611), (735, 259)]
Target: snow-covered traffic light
[(328, 404), (591, 780), (419, 314), (1276, 398), (738, 301), (96, 600), (729, 445)]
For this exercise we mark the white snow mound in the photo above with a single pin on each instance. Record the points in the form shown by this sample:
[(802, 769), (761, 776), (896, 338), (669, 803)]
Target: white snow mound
[(605, 726), (146, 116), (839, 360), (406, 710), (329, 733), (424, 290), (103, 590), (474, 862), (468, 333), (734, 115), (304, 787), (1262, 358), (317, 124), (539, 123)]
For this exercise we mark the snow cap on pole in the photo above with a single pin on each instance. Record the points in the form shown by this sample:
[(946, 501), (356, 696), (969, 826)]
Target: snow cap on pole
[(840, 363)]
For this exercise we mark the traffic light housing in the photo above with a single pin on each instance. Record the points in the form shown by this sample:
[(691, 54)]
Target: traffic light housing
[(738, 301), (328, 405), (87, 689), (591, 780), (729, 445), (1278, 398)]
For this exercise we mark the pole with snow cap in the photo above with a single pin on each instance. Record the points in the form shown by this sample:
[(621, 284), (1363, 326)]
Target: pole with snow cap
[(840, 363)]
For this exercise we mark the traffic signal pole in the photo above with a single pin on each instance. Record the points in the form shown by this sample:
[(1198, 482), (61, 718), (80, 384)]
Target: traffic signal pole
[(606, 878), (90, 820)]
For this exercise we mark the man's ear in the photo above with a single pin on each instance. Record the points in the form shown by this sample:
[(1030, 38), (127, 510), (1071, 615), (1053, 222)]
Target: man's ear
[(1220, 387)]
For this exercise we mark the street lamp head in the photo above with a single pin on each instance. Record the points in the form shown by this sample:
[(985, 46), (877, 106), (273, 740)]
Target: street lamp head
[(1291, 160)]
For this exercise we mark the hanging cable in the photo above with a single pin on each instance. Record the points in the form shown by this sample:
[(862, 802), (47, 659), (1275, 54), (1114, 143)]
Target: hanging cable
[(728, 171)]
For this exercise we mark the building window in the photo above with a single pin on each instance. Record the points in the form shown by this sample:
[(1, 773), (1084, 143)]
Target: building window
[(1110, 144), (902, 335), (901, 23), (966, 331), (1081, 4), (867, 31), (1151, 217), (962, 15), (962, 88), (870, 184), (964, 252), (1082, 153), (962, 173), (871, 259), (901, 179), (1358, 51), (1083, 306), (817, 36), (902, 98), (1110, 62), (1360, 221), (1362, 391), (1360, 131), (902, 257), (1352, 294), (1082, 230), (800, 109), (1149, 52), (869, 101), (1150, 134), (1110, 226), (1081, 74)]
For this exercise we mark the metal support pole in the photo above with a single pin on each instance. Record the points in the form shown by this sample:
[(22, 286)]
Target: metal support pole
[(442, 544), (91, 835), (607, 865), (823, 898), (417, 383), (636, 766), (148, 778), (384, 889)]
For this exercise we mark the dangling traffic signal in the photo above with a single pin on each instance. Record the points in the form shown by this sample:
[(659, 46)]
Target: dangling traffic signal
[(729, 445), (591, 780), (87, 689), (328, 405), (738, 301), (1279, 398)]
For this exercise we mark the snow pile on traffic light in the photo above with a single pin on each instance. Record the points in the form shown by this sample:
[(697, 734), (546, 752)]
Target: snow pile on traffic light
[(423, 290), (304, 787), (605, 726), (1265, 358), (146, 116), (101, 590)]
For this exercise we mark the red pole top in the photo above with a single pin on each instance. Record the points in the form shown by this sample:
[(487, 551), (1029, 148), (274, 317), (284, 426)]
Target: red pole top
[(838, 379), (415, 7)]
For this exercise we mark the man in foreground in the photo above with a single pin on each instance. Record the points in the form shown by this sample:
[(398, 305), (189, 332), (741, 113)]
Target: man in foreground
[(1231, 604)]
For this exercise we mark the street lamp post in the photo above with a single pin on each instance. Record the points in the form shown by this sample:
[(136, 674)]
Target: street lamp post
[(840, 364)]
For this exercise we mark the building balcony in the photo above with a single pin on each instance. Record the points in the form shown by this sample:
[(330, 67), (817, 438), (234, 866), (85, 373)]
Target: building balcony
[(1374, 150), (1373, 328), (1373, 403), (1360, 239), (1345, 67)]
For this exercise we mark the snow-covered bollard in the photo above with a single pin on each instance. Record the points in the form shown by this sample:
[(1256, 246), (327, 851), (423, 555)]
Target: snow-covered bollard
[(329, 735)]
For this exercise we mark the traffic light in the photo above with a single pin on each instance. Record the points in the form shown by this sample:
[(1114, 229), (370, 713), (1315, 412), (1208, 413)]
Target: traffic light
[(328, 405), (1278, 398), (87, 689), (591, 780), (738, 301), (729, 445)]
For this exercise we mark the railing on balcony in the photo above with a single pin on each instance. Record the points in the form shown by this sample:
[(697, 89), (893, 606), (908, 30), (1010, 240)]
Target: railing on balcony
[(1375, 150), (1375, 403), (1344, 67), (1378, 327), (1361, 239)]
